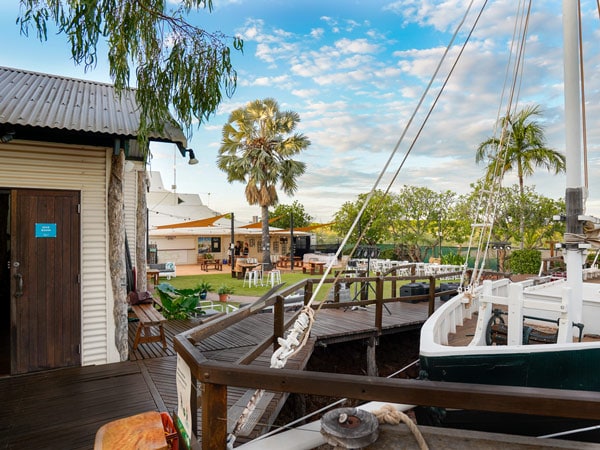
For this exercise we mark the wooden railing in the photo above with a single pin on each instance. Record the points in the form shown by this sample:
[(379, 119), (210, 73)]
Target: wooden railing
[(215, 377)]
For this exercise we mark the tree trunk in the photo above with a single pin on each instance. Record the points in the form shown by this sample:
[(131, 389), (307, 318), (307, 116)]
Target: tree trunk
[(141, 234), (116, 253), (266, 242)]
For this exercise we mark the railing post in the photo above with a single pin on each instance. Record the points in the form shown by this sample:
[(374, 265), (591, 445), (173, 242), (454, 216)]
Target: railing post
[(379, 304), (214, 416), (394, 288), (278, 319), (308, 291), (336, 292), (431, 295)]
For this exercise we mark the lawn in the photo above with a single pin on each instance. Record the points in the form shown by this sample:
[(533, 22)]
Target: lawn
[(289, 278), (216, 280)]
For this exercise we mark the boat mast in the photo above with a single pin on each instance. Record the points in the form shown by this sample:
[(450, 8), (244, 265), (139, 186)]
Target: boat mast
[(574, 190)]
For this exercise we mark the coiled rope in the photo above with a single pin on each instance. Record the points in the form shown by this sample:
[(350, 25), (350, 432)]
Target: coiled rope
[(390, 415)]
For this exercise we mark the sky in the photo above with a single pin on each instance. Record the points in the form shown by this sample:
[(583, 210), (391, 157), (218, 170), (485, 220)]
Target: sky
[(355, 72)]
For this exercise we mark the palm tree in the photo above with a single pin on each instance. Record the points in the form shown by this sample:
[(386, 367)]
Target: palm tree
[(523, 147), (257, 147)]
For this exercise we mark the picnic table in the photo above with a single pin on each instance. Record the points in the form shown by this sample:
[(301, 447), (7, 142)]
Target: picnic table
[(313, 266), (217, 264), (284, 261)]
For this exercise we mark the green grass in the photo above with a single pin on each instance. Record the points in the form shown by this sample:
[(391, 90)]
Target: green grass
[(216, 280), (289, 278)]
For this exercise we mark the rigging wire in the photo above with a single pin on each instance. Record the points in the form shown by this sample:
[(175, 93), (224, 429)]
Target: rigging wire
[(487, 205), (290, 345)]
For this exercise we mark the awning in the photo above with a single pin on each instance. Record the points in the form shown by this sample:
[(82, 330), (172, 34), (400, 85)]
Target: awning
[(209, 221)]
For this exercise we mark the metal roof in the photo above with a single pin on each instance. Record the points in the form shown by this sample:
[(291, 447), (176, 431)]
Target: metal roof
[(52, 101)]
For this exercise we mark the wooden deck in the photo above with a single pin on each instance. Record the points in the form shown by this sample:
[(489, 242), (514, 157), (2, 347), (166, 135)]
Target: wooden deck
[(64, 408)]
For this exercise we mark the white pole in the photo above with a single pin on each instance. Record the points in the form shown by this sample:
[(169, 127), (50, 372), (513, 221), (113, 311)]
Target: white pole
[(574, 189)]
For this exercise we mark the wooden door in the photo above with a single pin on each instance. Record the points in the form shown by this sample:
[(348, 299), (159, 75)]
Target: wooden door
[(45, 288)]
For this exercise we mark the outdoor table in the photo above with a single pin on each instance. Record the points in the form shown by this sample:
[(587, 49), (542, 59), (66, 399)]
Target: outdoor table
[(216, 263), (313, 267), (284, 261), (244, 268)]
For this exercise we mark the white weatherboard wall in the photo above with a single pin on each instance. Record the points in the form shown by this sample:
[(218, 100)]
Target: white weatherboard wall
[(130, 198), (25, 164)]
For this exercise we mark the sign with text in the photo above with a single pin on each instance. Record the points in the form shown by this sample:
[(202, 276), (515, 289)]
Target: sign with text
[(45, 230)]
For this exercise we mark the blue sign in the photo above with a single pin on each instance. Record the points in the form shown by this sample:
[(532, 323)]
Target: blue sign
[(45, 230)]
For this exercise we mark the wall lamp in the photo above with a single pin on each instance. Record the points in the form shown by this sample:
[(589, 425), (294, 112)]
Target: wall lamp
[(7, 137), (193, 159)]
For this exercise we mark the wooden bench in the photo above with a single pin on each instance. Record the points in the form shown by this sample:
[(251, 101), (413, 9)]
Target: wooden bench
[(149, 317)]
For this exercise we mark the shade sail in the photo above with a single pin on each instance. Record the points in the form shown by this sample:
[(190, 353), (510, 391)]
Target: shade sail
[(207, 222), (259, 224), (308, 228)]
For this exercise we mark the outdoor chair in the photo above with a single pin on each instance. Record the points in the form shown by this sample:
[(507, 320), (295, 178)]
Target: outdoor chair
[(273, 277)]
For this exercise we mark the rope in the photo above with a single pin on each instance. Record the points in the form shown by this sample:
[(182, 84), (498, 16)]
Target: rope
[(295, 339), (389, 414)]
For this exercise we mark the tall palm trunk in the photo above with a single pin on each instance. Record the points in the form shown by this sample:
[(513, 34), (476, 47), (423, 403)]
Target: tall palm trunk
[(266, 243)]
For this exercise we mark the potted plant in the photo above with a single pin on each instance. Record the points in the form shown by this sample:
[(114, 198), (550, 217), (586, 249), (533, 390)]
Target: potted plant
[(204, 287), (224, 291)]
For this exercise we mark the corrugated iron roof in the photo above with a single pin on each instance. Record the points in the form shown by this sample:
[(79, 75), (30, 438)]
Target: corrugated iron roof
[(51, 101)]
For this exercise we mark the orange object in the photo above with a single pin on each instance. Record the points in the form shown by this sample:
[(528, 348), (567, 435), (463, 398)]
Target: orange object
[(149, 431)]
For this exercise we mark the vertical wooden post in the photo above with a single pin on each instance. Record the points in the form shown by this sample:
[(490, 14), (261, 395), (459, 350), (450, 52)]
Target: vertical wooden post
[(379, 304), (372, 357), (278, 318), (431, 295), (214, 416), (308, 291)]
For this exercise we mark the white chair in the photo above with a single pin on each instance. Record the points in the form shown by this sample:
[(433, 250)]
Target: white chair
[(273, 277), (258, 275), (249, 276)]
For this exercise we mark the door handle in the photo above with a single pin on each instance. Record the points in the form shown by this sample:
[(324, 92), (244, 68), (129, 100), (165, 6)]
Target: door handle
[(19, 291)]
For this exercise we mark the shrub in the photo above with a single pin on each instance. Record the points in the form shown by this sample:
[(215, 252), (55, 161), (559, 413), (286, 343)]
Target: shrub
[(178, 303), (453, 259), (525, 261)]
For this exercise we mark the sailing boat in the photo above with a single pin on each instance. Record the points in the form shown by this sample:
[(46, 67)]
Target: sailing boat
[(511, 343)]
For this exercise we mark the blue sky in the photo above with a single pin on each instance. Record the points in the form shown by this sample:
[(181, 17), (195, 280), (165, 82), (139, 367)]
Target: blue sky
[(354, 71)]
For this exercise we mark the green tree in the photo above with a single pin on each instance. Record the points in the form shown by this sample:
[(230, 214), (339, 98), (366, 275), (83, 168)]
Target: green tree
[(295, 210), (181, 72), (422, 218), (536, 211), (257, 149), (180, 69), (374, 223), (522, 147)]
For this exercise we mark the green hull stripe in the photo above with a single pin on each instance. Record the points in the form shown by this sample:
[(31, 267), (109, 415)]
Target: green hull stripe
[(577, 369)]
